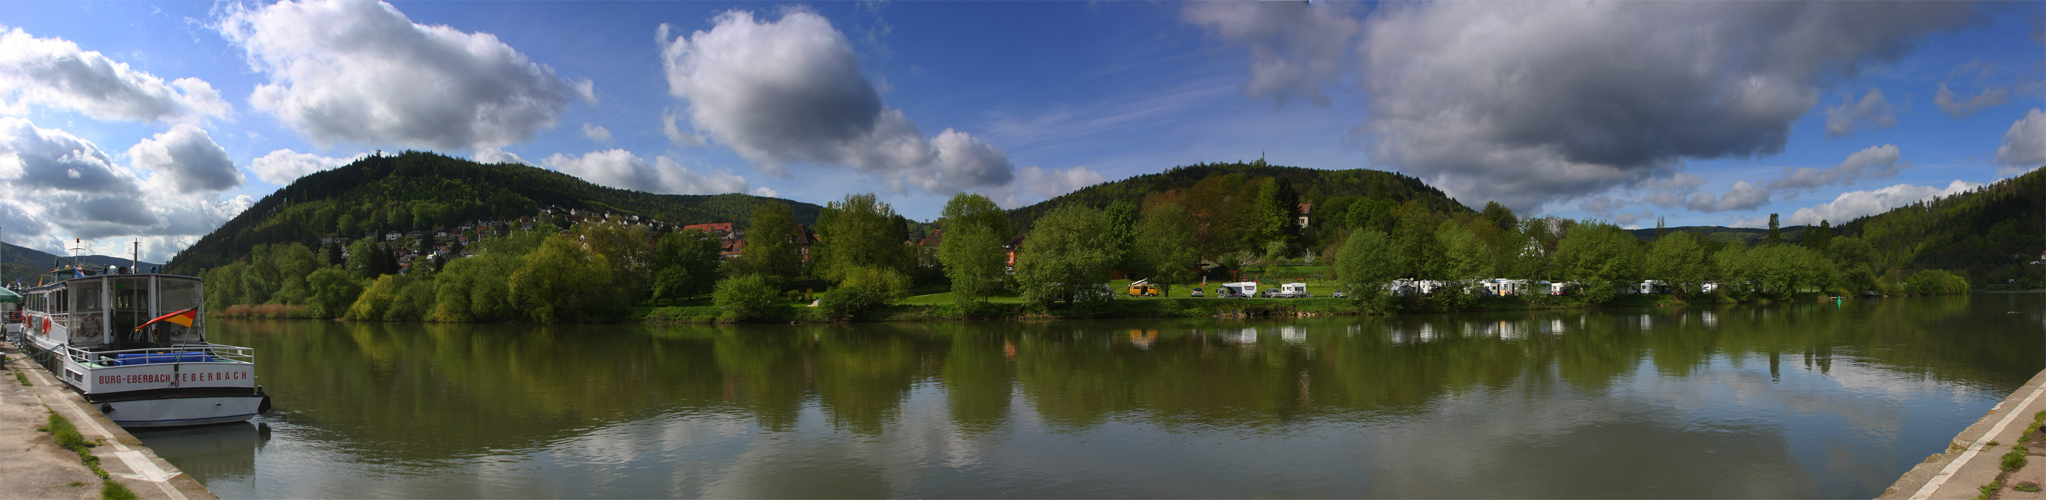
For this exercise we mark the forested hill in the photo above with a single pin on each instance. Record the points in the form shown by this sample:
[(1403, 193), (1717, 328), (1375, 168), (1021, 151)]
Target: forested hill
[(1991, 233), (420, 191), (1224, 185)]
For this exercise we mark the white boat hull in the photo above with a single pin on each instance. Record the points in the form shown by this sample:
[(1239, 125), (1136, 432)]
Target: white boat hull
[(182, 411)]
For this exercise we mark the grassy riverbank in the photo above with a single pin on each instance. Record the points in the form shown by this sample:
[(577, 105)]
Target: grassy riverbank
[(940, 307)]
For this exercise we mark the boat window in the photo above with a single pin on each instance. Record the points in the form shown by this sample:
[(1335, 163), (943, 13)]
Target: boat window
[(177, 295), (87, 296)]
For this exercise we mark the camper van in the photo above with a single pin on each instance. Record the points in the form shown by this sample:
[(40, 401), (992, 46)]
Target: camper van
[(1293, 291), (1143, 288), (1240, 289)]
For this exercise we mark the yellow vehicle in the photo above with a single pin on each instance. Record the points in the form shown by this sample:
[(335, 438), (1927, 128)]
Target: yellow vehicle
[(1143, 288)]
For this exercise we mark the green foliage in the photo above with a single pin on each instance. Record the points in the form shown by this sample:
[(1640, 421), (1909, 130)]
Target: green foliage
[(1220, 198), (629, 250), (1122, 231), (1165, 248), (1366, 264), (1464, 260), (771, 249), (110, 490), (972, 248), (1419, 251), (563, 281), (748, 298), (2014, 459), (376, 301), (474, 289), (332, 292), (685, 265), (857, 232), (273, 275), (864, 290), (1066, 257), (1935, 282), (1599, 258), (1679, 260)]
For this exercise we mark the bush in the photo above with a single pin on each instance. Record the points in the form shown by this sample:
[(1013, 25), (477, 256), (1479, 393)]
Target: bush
[(864, 290), (1935, 282), (748, 298)]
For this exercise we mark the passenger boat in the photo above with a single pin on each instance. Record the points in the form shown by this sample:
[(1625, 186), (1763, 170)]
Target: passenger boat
[(135, 345)]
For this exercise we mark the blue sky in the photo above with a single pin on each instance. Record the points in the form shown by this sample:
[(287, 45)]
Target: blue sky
[(158, 121)]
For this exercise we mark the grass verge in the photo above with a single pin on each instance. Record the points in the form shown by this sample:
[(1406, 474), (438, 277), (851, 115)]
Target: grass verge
[(67, 436)]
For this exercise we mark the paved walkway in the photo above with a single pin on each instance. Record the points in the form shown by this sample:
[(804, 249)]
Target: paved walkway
[(41, 469), (1970, 461)]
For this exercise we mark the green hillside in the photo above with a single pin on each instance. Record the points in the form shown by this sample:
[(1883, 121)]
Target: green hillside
[(1990, 233), (420, 191), (1220, 184)]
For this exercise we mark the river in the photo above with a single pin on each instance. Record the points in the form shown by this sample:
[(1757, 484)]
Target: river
[(1789, 400)]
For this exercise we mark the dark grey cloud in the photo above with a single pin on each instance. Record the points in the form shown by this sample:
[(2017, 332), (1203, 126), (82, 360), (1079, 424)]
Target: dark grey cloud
[(791, 91), (1296, 48), (188, 158), (360, 71), (1527, 102)]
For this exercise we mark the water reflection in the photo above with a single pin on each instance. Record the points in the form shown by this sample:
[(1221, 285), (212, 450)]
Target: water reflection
[(1786, 400)]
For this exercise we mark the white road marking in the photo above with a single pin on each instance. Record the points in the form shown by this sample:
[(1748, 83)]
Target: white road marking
[(146, 470), (1941, 478)]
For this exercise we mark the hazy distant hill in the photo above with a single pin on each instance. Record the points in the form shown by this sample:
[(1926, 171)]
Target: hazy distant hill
[(27, 264), (419, 191)]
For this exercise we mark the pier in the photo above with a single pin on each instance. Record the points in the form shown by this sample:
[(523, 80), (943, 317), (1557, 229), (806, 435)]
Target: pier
[(34, 466), (1974, 458)]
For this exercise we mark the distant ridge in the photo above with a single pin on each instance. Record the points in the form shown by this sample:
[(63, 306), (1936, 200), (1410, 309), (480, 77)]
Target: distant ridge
[(23, 262), (1314, 185), (419, 191)]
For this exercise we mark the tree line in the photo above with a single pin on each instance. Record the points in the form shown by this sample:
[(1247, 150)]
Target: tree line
[(860, 258)]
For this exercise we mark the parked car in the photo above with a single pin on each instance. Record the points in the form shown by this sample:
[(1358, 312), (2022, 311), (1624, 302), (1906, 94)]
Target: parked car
[(1195, 293), (1340, 295)]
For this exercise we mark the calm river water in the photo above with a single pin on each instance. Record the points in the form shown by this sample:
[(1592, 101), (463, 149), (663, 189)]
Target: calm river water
[(1799, 400)]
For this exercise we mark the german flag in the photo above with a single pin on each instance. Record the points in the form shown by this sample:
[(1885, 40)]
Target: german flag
[(181, 318)]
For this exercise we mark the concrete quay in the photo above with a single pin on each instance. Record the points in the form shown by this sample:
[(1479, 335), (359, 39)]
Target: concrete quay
[(1970, 461), (35, 467)]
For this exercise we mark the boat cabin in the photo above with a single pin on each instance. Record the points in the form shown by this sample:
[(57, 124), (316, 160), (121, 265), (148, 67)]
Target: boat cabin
[(103, 311)]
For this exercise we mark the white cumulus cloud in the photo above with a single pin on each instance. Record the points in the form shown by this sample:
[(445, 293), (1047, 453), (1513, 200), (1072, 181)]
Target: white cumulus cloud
[(621, 169), (60, 186), (1856, 204), (187, 156), (360, 71), (597, 133), (2024, 145), (282, 166), (791, 90), (56, 73)]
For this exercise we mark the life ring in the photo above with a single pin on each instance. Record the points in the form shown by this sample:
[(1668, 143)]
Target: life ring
[(46, 326)]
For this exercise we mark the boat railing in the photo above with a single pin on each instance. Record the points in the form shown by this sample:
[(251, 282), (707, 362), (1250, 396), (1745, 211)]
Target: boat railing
[(176, 353)]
